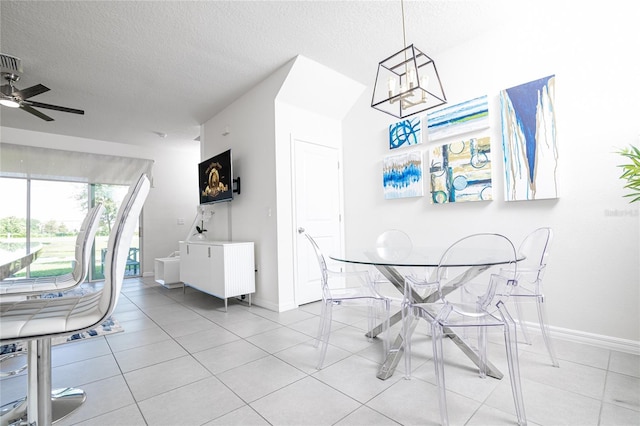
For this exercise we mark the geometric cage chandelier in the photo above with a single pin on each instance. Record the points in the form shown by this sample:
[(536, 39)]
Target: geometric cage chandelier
[(407, 82)]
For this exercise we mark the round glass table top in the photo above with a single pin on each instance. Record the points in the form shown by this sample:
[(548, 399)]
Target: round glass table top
[(424, 257)]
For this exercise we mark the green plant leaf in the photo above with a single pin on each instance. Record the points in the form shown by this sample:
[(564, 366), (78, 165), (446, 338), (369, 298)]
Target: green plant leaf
[(631, 172)]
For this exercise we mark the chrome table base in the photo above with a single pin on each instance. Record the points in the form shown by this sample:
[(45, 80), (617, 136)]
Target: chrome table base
[(397, 349)]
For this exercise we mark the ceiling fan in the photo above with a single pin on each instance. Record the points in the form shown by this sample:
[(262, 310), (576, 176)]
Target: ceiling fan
[(12, 97)]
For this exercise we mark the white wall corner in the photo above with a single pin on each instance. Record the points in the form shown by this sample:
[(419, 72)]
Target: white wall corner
[(318, 88)]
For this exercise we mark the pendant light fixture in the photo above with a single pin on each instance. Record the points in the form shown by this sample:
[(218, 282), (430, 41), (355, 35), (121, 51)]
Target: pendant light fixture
[(407, 82)]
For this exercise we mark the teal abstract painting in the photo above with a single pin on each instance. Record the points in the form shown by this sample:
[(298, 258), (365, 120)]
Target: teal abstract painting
[(405, 133)]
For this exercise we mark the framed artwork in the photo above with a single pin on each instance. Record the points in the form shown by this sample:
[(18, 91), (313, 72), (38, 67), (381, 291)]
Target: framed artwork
[(404, 133), (529, 140), (402, 175), (458, 119), (461, 171)]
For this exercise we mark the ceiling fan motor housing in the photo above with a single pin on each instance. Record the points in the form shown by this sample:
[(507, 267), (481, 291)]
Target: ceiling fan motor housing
[(10, 64)]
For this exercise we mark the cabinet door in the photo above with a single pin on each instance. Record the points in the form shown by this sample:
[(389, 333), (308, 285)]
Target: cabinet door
[(217, 277), (187, 263), (194, 264)]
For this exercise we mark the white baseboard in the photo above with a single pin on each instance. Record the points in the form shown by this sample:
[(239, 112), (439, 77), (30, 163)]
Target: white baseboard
[(270, 305), (598, 340)]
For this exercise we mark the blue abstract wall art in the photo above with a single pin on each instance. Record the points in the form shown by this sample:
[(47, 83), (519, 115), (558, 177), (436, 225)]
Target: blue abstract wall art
[(402, 175), (461, 171), (458, 119), (405, 133), (529, 140)]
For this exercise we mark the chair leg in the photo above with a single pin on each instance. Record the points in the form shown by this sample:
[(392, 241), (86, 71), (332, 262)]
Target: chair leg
[(544, 328), (511, 345), (482, 352), (523, 325), (323, 315), (325, 329), (387, 324), (373, 311), (39, 382), (407, 319), (438, 363)]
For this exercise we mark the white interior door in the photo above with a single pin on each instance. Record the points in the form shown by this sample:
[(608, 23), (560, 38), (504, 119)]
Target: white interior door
[(317, 195)]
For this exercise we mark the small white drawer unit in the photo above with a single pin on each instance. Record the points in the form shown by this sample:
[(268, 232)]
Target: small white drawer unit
[(220, 268)]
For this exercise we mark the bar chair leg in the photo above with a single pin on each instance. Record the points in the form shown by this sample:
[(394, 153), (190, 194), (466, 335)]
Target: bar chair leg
[(41, 406)]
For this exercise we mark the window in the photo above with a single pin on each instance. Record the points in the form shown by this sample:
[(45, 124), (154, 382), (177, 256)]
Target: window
[(50, 195), (51, 213)]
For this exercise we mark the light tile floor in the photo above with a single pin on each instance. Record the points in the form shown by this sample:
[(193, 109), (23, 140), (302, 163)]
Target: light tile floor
[(183, 360)]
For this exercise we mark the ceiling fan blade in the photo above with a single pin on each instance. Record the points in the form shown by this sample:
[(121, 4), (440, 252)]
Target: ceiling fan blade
[(54, 107), (35, 112), (31, 91)]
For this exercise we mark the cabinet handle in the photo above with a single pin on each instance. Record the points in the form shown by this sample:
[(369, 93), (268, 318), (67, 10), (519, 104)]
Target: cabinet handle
[(209, 250), (187, 249)]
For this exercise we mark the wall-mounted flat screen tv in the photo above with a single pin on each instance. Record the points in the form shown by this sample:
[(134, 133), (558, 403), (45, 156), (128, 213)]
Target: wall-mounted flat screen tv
[(216, 179)]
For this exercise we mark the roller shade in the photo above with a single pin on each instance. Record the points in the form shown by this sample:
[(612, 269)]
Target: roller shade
[(21, 161)]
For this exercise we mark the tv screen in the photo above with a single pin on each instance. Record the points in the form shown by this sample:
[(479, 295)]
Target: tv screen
[(216, 179)]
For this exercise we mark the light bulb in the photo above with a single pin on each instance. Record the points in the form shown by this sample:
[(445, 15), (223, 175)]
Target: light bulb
[(411, 77), (391, 84), (424, 82)]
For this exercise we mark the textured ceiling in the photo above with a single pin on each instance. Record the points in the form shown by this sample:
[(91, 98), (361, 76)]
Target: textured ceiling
[(146, 67)]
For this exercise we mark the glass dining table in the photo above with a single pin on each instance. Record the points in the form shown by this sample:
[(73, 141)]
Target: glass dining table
[(390, 261)]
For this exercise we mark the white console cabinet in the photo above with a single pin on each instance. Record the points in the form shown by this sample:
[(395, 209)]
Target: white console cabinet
[(219, 268)]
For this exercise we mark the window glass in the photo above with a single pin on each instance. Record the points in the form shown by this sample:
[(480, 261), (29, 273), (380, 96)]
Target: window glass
[(13, 215), (57, 212), (111, 197)]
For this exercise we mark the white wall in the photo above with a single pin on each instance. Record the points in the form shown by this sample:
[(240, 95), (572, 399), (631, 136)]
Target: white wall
[(261, 124), (174, 193), (593, 279), (250, 121)]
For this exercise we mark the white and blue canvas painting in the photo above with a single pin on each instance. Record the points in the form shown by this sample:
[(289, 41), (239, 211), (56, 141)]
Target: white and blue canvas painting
[(461, 171), (402, 175), (405, 133), (529, 140), (458, 119)]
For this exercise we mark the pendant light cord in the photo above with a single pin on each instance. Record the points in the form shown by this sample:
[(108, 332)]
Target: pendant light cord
[(404, 35)]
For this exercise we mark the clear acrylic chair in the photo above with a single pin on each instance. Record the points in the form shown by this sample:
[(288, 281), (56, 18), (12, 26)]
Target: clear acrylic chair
[(467, 263), (343, 287), (37, 320), (392, 244), (82, 261), (535, 249)]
